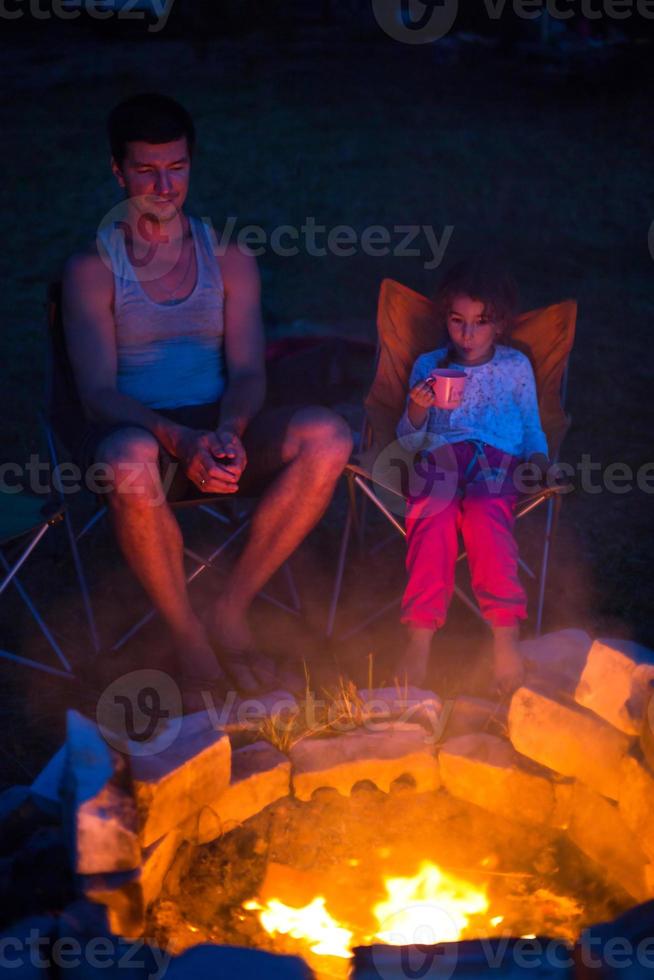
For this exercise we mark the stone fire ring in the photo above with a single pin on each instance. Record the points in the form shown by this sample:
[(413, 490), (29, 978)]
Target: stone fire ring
[(575, 755)]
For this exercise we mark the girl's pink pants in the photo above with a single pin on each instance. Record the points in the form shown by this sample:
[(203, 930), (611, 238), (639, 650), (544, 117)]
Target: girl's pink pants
[(467, 486)]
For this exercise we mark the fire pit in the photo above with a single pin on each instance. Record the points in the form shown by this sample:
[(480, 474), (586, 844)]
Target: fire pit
[(401, 822), (402, 868)]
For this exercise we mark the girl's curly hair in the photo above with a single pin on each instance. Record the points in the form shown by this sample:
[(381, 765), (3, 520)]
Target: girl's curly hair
[(484, 279)]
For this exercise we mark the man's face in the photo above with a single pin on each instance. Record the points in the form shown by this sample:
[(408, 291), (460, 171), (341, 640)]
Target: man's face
[(156, 176)]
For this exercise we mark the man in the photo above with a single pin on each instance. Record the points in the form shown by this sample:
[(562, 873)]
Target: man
[(167, 347)]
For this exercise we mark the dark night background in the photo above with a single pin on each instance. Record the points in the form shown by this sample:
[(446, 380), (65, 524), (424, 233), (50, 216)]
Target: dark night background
[(309, 109)]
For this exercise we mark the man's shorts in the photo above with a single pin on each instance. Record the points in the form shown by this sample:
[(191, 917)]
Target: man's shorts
[(263, 441)]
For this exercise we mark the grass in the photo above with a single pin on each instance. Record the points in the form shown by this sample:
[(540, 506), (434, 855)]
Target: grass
[(339, 708)]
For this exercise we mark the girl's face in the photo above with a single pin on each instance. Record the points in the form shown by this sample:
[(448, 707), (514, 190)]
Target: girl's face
[(472, 333)]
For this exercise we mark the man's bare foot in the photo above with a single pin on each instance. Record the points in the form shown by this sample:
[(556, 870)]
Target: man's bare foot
[(195, 657), (199, 674), (201, 694), (230, 635), (413, 663), (509, 667)]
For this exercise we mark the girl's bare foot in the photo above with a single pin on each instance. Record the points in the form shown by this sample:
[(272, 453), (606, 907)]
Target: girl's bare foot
[(413, 663), (509, 667)]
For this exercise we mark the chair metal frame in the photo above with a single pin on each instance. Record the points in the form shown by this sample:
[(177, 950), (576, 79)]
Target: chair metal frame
[(361, 479), (36, 534)]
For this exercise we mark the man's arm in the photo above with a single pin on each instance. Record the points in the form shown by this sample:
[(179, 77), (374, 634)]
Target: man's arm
[(87, 298), (91, 343), (244, 342)]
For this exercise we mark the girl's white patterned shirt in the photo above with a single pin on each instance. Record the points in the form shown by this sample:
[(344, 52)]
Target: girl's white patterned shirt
[(499, 406)]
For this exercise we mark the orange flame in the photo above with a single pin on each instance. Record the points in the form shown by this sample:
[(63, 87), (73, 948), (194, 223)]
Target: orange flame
[(313, 924), (428, 908), (431, 907)]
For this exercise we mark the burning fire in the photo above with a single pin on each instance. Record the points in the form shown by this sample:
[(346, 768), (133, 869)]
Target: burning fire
[(313, 924), (430, 907)]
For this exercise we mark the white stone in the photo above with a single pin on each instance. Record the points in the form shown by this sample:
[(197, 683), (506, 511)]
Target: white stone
[(100, 818), (379, 757), (238, 715), (183, 777), (260, 776), (486, 770), (598, 829), (568, 739), (636, 801), (122, 896), (466, 715), (410, 705), (615, 683), (157, 859), (126, 897), (557, 658)]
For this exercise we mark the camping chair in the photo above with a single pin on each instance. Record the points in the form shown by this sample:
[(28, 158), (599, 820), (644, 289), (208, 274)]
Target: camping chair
[(405, 324), (63, 404), (24, 522)]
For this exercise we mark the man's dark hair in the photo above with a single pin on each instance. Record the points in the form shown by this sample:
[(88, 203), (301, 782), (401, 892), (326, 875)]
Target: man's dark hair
[(151, 118)]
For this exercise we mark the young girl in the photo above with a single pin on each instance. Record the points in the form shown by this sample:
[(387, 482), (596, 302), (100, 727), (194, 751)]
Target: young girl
[(473, 451)]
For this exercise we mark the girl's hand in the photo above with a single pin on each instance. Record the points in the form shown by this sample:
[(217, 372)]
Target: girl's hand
[(423, 394), (421, 399)]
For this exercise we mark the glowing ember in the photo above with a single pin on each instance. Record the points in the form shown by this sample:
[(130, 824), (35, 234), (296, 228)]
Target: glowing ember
[(432, 907), (313, 924)]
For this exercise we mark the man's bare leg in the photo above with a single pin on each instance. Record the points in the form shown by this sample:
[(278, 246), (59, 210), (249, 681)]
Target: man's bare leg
[(317, 446), (151, 542)]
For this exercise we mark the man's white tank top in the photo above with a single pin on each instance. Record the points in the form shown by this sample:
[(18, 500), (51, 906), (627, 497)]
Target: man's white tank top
[(169, 354)]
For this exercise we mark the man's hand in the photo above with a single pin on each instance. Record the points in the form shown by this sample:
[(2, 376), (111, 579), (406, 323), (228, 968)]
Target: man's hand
[(227, 449), (213, 464)]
